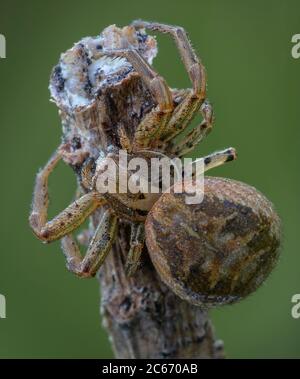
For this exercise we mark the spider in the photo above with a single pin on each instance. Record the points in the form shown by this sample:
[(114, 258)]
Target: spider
[(156, 132)]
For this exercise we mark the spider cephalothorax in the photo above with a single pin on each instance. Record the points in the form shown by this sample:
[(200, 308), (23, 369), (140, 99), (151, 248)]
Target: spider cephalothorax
[(91, 84)]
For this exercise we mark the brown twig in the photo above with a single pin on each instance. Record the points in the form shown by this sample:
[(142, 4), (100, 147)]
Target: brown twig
[(144, 318)]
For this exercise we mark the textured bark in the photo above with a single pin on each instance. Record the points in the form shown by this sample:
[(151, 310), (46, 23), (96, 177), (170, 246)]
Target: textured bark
[(144, 318)]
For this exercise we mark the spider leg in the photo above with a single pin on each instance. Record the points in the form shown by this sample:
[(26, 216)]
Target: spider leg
[(196, 135), (217, 159), (154, 123), (137, 241), (66, 221), (86, 175), (97, 250), (185, 111), (86, 234), (192, 63)]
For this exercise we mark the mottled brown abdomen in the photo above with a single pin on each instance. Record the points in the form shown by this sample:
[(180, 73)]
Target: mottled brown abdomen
[(216, 252)]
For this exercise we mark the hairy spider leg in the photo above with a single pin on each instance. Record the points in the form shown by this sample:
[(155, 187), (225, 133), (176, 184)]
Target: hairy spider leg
[(98, 249), (137, 240), (217, 159), (66, 221), (186, 110), (197, 134)]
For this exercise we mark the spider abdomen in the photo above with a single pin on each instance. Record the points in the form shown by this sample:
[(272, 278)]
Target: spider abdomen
[(218, 251)]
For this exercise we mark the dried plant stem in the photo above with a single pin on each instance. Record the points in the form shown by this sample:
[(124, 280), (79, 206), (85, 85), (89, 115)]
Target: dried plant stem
[(145, 319)]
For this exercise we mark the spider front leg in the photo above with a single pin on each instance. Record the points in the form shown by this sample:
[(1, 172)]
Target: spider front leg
[(196, 71), (192, 63), (69, 219), (154, 123), (196, 135), (97, 251), (137, 241)]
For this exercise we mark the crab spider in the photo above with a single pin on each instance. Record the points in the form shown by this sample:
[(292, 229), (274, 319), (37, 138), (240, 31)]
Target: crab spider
[(156, 132), (61, 226)]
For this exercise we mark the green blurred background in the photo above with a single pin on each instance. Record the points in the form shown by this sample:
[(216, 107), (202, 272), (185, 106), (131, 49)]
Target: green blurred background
[(254, 85)]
